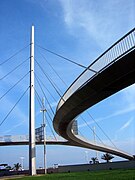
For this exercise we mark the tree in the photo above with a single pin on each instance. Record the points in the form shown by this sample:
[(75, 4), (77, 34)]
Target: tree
[(8, 168), (94, 160), (17, 166), (107, 157)]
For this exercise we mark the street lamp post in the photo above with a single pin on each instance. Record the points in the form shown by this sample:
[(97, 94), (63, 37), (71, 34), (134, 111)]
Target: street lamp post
[(22, 158), (94, 134), (44, 133), (86, 156)]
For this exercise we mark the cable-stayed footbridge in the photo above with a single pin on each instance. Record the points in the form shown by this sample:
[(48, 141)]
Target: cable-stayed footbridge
[(109, 73)]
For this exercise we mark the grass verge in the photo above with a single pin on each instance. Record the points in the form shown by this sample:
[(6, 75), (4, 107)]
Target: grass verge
[(98, 175)]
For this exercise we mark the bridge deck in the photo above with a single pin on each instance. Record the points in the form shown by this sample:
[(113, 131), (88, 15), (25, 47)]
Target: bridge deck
[(109, 80), (37, 143)]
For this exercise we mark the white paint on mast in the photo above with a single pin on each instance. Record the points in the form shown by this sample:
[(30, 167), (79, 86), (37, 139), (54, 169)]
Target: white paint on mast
[(32, 146)]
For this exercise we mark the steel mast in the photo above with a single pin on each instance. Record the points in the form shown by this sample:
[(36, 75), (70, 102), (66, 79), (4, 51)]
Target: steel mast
[(32, 146), (44, 133)]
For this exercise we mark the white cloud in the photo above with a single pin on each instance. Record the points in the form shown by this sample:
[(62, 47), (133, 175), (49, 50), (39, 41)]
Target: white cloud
[(116, 113), (53, 104), (123, 127), (98, 19), (68, 12), (129, 96), (126, 124), (15, 126), (20, 116), (126, 145)]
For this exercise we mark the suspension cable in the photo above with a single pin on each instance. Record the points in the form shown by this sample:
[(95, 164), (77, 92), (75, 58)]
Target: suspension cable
[(92, 130), (14, 69), (61, 96), (50, 126), (66, 86), (81, 133), (38, 98), (13, 55), (13, 86), (87, 111), (49, 105), (44, 94), (40, 103), (36, 76), (101, 129), (13, 107), (49, 79), (67, 59), (53, 69)]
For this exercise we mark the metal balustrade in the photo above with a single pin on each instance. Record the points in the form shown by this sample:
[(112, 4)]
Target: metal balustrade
[(22, 138), (111, 55)]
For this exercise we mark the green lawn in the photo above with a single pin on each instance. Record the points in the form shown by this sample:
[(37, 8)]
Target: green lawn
[(99, 175)]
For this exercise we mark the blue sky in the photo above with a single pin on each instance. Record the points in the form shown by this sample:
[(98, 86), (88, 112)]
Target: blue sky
[(80, 30)]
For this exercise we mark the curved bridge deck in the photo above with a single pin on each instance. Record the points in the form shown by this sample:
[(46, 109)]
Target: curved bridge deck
[(9, 140), (110, 73)]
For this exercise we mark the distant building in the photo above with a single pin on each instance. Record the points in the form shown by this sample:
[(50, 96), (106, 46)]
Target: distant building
[(75, 127)]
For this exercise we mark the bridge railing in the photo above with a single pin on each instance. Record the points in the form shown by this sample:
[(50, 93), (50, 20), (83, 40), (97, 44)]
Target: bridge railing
[(22, 138), (111, 55)]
